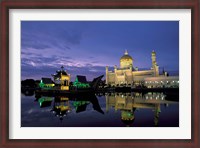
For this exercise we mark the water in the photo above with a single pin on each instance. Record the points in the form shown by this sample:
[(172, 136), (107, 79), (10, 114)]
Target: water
[(105, 110)]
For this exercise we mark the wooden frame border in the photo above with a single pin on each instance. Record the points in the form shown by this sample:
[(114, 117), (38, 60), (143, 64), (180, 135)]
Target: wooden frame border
[(5, 5)]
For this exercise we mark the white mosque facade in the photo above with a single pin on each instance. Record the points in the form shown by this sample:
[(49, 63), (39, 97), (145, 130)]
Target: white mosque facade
[(128, 75)]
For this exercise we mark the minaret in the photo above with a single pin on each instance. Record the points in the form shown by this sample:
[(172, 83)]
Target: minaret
[(153, 58), (115, 69), (155, 67), (106, 74)]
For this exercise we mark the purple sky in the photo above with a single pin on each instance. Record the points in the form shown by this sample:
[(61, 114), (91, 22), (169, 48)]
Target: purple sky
[(86, 47)]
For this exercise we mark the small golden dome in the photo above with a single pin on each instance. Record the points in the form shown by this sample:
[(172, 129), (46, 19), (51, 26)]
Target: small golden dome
[(126, 56)]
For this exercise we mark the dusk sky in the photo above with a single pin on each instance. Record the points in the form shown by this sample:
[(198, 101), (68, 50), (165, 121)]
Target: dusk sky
[(86, 47)]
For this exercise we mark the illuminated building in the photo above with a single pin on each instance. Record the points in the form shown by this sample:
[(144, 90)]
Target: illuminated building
[(162, 82), (81, 82), (128, 75), (46, 83), (62, 79)]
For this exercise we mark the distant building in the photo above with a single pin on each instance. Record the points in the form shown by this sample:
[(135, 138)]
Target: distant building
[(128, 75), (162, 82), (61, 79), (81, 82), (46, 83)]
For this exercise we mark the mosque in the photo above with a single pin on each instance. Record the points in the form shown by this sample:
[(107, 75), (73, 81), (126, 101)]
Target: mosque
[(128, 75)]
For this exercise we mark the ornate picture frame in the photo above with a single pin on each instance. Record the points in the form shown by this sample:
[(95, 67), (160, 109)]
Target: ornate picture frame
[(7, 5)]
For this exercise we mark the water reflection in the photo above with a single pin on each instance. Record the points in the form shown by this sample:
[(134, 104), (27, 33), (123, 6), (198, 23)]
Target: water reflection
[(127, 103), (61, 104), (61, 107), (127, 107), (45, 101)]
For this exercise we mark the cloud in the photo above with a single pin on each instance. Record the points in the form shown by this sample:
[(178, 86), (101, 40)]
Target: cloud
[(32, 40), (48, 35), (29, 70)]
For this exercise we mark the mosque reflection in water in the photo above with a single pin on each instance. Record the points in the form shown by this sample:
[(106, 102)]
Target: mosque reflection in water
[(125, 103)]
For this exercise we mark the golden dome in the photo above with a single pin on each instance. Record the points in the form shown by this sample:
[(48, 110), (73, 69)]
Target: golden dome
[(126, 56)]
